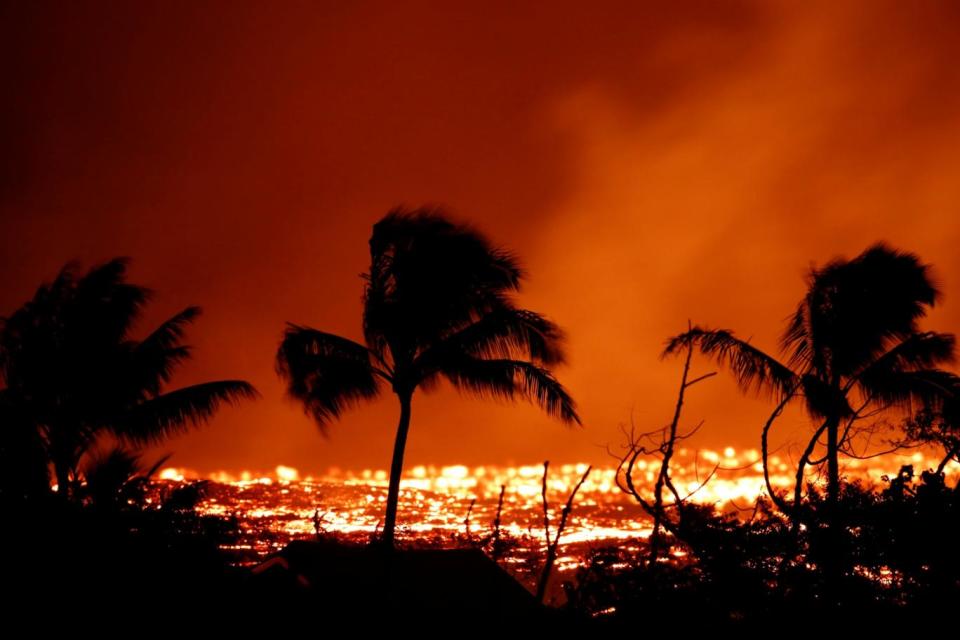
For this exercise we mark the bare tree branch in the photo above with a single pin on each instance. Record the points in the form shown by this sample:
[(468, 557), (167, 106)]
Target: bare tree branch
[(551, 554)]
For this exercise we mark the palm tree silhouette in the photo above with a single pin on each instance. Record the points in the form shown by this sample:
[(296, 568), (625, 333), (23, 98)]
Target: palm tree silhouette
[(71, 372), (437, 304), (853, 349)]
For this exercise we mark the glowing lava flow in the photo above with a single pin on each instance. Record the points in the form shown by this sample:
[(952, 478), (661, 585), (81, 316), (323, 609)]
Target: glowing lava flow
[(273, 508)]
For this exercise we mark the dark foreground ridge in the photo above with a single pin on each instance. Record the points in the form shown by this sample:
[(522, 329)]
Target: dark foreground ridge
[(414, 586)]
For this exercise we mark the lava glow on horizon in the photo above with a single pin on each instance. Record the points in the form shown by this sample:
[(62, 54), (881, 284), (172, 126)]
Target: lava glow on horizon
[(446, 503)]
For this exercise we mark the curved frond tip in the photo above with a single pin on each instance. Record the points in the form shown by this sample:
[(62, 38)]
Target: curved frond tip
[(326, 372), (511, 378), (177, 411), (754, 370)]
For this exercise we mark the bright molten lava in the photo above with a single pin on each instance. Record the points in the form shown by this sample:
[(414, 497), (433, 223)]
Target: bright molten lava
[(276, 507)]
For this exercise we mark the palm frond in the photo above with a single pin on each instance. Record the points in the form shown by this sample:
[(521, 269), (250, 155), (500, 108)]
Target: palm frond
[(179, 410), (412, 235), (327, 373), (171, 331), (796, 339), (910, 390), (508, 379), (918, 351), (858, 307), (104, 306), (504, 333), (428, 277), (152, 470), (754, 370), (155, 358), (118, 476), (107, 473)]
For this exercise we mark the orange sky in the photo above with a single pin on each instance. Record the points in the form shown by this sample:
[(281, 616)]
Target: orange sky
[(648, 165)]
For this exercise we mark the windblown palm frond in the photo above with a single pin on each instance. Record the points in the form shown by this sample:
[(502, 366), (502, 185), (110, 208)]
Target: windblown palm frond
[(918, 351), (753, 369), (428, 277), (156, 357), (104, 307), (118, 477), (170, 333), (910, 390), (406, 244), (73, 370), (438, 303), (796, 340), (107, 473), (62, 342), (504, 333), (858, 307), (176, 411), (325, 372), (508, 379), (855, 333)]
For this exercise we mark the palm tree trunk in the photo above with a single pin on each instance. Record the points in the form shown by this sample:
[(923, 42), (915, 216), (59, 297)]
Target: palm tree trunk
[(396, 469), (833, 462), (832, 555)]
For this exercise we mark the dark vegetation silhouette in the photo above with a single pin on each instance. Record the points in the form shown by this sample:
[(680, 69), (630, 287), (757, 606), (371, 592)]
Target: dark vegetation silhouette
[(938, 426), (666, 506), (438, 304), (851, 554), (74, 379), (898, 546), (72, 373), (79, 394), (853, 349), (551, 545)]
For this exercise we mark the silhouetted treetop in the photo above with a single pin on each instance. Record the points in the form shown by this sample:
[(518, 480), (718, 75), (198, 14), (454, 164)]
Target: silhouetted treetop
[(853, 347), (438, 304), (71, 369)]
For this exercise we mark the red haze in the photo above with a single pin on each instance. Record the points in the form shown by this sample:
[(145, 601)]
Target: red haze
[(650, 165)]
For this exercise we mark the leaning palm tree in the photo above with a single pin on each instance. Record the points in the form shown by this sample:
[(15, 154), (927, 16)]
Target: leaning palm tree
[(438, 304), (853, 349), (71, 372)]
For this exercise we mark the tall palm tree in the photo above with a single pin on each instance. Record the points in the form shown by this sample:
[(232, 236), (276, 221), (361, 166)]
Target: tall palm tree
[(438, 304), (853, 348), (71, 371)]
